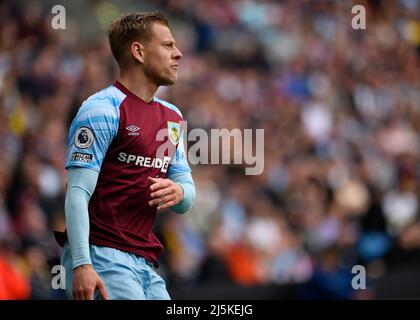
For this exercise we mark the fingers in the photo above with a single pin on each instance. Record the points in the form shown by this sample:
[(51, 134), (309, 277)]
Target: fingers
[(165, 193), (85, 282), (83, 294), (162, 200), (78, 294), (75, 295), (167, 205), (162, 192), (89, 294), (158, 183), (102, 290)]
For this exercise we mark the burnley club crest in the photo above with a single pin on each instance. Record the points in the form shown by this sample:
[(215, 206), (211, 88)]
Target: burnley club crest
[(174, 132)]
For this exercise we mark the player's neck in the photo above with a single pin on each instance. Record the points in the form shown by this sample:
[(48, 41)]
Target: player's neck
[(138, 84)]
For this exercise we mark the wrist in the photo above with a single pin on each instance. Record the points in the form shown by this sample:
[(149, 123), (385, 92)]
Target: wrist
[(83, 267)]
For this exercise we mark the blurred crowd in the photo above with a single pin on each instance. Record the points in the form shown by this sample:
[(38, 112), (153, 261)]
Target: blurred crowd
[(341, 113)]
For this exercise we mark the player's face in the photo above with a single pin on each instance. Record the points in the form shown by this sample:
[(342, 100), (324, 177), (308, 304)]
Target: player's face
[(161, 59)]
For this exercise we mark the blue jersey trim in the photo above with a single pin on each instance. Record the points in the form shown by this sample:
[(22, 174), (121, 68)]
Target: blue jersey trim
[(168, 105)]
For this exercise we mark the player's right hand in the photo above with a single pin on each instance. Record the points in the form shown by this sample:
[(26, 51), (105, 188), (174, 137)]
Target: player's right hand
[(85, 281)]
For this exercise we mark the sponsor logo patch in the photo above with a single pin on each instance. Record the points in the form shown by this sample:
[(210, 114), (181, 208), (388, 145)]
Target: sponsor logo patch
[(79, 156), (83, 138)]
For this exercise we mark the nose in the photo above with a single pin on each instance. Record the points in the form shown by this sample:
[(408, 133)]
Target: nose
[(178, 54)]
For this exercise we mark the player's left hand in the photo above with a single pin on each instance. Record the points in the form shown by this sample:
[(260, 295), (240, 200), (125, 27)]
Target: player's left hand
[(164, 193)]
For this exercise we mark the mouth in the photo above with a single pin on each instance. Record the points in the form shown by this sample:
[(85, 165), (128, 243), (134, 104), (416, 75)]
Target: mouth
[(175, 66)]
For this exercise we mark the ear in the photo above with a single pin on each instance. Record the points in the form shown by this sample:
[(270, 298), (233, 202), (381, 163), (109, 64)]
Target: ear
[(137, 51)]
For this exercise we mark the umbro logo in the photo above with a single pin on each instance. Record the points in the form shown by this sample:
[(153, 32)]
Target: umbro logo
[(133, 130)]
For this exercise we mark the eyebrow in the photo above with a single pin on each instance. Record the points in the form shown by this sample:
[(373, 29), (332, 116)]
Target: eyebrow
[(172, 42)]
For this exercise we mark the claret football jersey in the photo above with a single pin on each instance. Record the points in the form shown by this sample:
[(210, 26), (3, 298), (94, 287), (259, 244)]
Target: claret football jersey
[(126, 140)]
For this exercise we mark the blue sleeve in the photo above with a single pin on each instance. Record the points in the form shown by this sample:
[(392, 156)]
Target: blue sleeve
[(185, 180), (179, 163), (91, 133), (80, 186)]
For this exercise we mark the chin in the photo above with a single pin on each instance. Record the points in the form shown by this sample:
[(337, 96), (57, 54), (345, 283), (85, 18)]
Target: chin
[(167, 81)]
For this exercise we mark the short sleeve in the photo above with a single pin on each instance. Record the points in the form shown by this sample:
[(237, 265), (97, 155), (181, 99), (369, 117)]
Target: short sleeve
[(91, 133)]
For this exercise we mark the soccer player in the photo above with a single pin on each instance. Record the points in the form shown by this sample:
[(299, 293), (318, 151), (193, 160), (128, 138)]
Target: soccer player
[(118, 179)]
